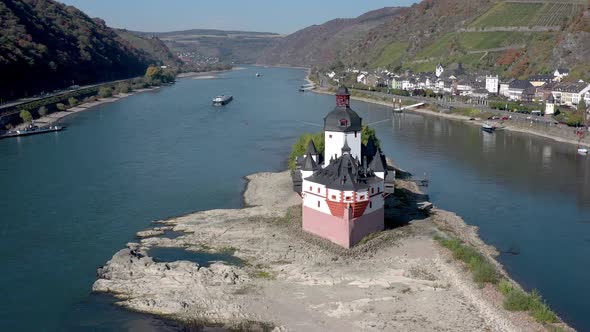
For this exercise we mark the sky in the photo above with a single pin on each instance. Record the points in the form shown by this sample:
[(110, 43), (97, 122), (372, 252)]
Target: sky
[(279, 16)]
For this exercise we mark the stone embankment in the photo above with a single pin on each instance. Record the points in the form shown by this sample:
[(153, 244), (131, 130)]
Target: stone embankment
[(397, 280)]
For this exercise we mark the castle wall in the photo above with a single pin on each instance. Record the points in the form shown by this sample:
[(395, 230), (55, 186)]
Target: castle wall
[(342, 231)]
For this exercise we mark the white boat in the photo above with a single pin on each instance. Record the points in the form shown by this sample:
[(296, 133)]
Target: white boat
[(488, 127), (582, 151), (222, 100), (258, 75)]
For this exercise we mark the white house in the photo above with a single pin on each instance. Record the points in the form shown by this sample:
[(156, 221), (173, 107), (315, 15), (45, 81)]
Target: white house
[(492, 84), (560, 73), (361, 78), (439, 70)]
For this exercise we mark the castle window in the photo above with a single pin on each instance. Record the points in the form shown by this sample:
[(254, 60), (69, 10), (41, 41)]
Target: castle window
[(363, 197), (319, 190), (378, 189), (348, 198), (355, 134), (310, 188), (372, 190), (329, 136), (333, 196), (370, 204), (343, 123), (318, 203)]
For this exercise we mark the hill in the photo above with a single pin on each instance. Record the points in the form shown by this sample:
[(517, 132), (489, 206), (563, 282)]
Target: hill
[(46, 45), (513, 38), (225, 46), (323, 44), (152, 45)]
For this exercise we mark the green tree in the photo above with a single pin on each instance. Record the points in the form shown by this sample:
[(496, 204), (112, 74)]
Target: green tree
[(123, 88), (367, 133), (60, 106), (72, 101), (582, 106), (153, 72), (42, 111), (26, 116), (301, 145), (105, 92)]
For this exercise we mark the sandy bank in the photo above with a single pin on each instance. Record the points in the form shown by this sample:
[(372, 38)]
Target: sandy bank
[(55, 117), (398, 280)]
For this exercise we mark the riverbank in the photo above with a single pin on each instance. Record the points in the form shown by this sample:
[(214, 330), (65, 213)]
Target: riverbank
[(56, 117), (525, 128), (399, 279)]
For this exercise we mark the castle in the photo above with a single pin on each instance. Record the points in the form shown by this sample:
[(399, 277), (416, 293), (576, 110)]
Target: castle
[(343, 191)]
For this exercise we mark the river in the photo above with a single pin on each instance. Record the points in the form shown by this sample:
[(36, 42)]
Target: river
[(70, 200)]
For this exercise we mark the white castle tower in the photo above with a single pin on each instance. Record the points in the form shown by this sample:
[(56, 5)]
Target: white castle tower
[(342, 125)]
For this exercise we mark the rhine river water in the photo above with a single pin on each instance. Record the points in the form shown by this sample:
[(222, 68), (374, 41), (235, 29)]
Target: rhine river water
[(70, 200)]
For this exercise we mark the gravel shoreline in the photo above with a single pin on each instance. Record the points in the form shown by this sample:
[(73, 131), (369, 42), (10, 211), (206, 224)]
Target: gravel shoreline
[(397, 280)]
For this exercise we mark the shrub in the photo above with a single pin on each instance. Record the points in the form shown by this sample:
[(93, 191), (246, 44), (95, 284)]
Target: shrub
[(505, 286), (105, 92), (42, 111), (123, 88), (517, 300), (482, 269), (72, 101), (60, 106), (26, 116)]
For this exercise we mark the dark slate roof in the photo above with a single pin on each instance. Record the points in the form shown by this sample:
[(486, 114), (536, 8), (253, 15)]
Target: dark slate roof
[(520, 84), (377, 164), (346, 148), (551, 100), (311, 149), (345, 174), (342, 91), (309, 164), (541, 78), (563, 70), (343, 119)]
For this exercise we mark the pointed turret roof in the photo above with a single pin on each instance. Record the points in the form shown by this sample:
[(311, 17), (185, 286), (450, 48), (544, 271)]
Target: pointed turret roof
[(346, 148), (311, 149), (309, 164), (376, 164)]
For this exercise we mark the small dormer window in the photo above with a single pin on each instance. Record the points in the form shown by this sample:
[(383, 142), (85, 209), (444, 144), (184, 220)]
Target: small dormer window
[(343, 123)]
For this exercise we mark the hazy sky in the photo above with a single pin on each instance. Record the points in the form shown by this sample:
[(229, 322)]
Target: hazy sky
[(280, 16)]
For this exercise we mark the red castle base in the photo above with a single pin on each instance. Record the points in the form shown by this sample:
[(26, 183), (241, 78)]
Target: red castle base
[(345, 231)]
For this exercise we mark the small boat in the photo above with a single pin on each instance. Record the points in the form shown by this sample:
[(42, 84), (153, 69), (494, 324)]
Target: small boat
[(582, 151), (258, 75), (488, 127), (222, 100)]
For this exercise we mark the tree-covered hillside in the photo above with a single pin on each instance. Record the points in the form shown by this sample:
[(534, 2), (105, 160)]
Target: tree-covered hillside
[(45, 45)]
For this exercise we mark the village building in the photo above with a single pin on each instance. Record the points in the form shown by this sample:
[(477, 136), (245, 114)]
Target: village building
[(343, 193), (560, 73), (516, 89), (439, 70), (569, 94), (492, 84), (540, 80), (550, 106)]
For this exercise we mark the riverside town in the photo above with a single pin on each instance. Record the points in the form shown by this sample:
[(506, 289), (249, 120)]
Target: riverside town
[(377, 165)]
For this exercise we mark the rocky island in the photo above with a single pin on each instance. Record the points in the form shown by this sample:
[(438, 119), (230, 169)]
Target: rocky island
[(286, 279)]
